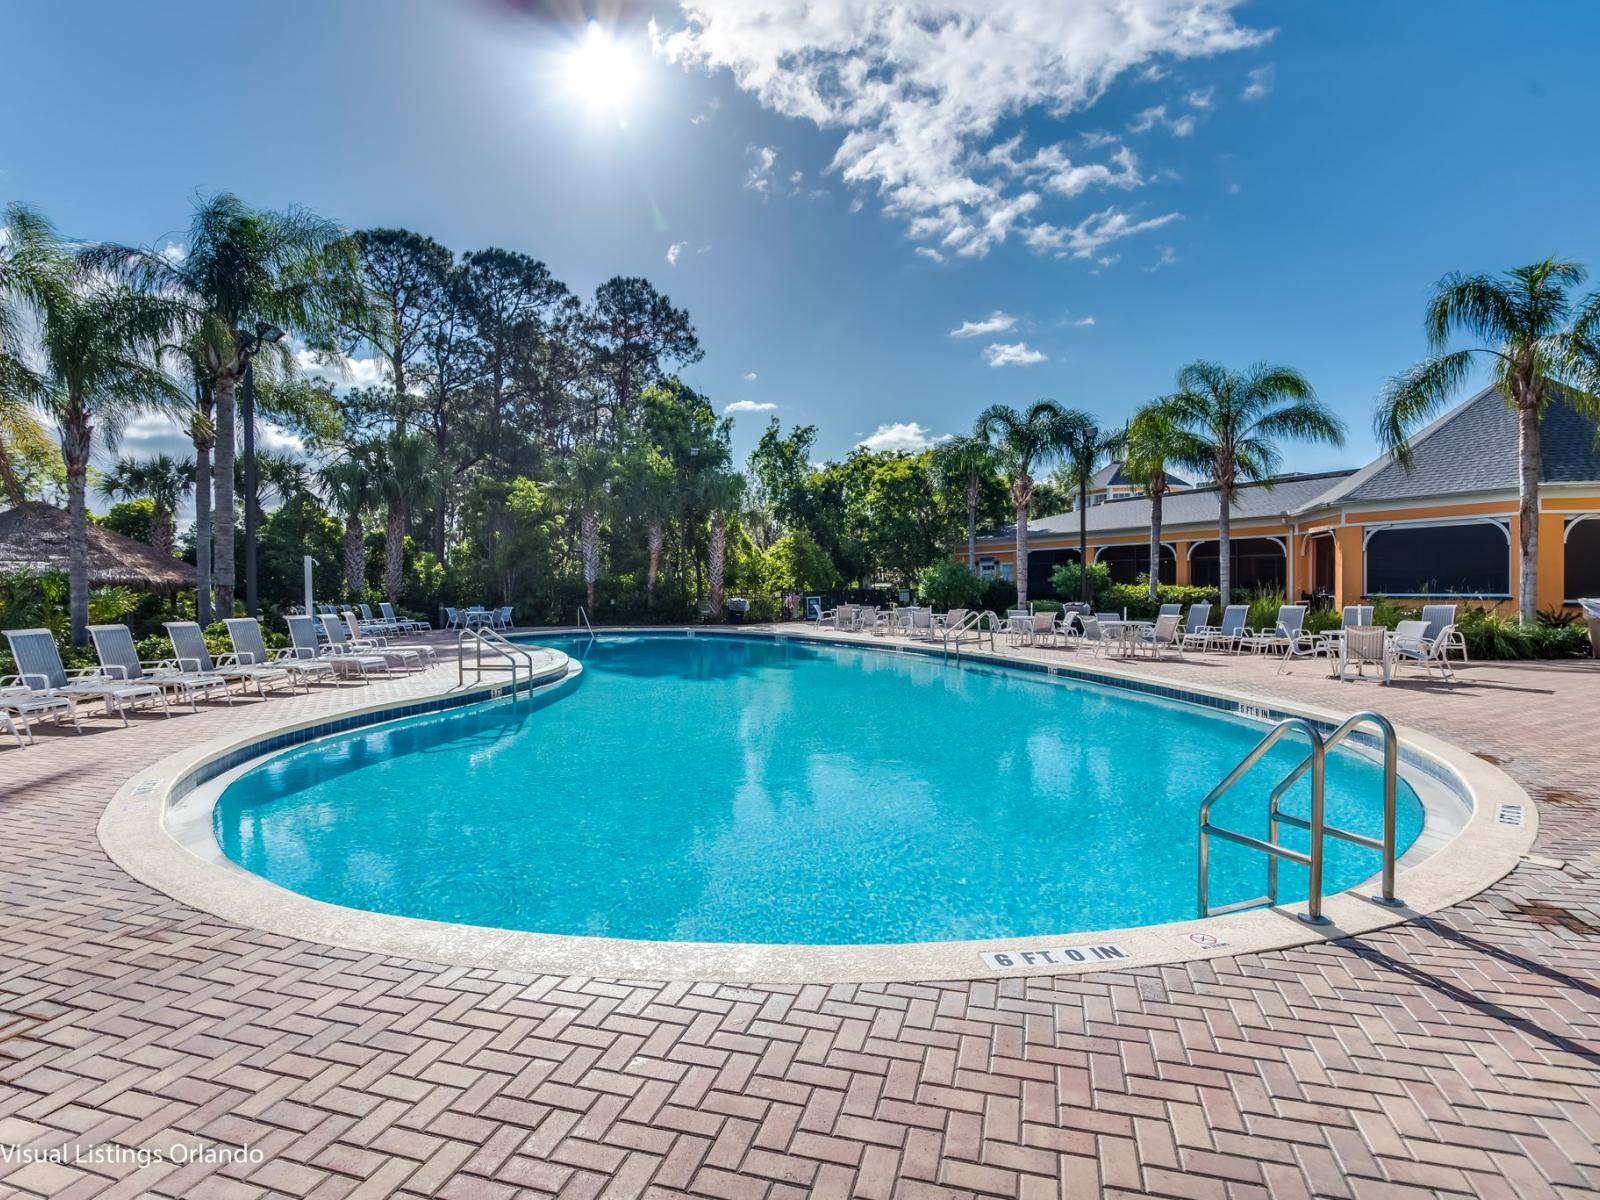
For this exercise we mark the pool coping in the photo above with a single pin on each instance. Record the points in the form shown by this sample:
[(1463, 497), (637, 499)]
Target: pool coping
[(139, 833)]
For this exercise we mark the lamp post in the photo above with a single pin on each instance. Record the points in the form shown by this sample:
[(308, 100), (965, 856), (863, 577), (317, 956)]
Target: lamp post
[(265, 332)]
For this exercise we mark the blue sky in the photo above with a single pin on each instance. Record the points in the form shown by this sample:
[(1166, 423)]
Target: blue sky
[(1289, 179)]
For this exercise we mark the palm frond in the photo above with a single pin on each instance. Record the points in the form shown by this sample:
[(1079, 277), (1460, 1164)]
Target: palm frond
[(1479, 304), (1412, 399)]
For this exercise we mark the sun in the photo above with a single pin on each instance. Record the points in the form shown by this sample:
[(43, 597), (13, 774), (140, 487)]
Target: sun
[(600, 71)]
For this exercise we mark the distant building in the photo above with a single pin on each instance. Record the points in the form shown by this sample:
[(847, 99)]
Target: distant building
[(1111, 482), (1446, 528)]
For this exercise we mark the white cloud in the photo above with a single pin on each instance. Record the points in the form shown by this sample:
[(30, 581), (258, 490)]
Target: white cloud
[(1167, 256), (902, 435), (748, 377), (174, 253), (340, 371), (1200, 98), (995, 322), (1012, 354), (915, 89), (762, 160), (704, 118), (739, 406), (1259, 83), (1090, 235), (1156, 116), (930, 252), (1084, 322), (675, 252)]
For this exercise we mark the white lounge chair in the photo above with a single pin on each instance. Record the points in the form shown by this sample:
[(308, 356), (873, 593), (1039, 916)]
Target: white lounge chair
[(20, 704), (408, 624), (344, 634), (308, 646), (1283, 636), (1193, 632), (1093, 635), (1231, 632), (119, 659), (250, 650), (189, 643), (1441, 619), (39, 670), (1169, 610), (372, 624), (1411, 643)]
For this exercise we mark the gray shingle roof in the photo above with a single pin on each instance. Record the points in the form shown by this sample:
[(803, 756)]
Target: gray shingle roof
[(1473, 448), (1112, 475), (1197, 507)]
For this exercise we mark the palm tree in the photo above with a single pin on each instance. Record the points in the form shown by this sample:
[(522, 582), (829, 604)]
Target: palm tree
[(965, 462), (649, 493), (244, 273), (721, 492), (1228, 423), (1022, 441), (202, 431), (1085, 449), (1536, 352), (1146, 446), (98, 341), (279, 475), (405, 474), (585, 491), (348, 486), (20, 435), (33, 267), (163, 480)]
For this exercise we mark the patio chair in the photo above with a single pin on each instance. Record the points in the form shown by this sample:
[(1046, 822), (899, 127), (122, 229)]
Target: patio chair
[(372, 624), (1169, 610), (1410, 643), (1283, 636), (1043, 629), (1193, 632), (1441, 619), (1017, 626), (20, 704), (15, 730), (308, 647), (1231, 632), (452, 618), (119, 659), (189, 643), (250, 650), (39, 670), (344, 634), (921, 624), (1160, 637), (1364, 645), (1103, 617), (870, 618), (502, 617), (408, 624), (1093, 636)]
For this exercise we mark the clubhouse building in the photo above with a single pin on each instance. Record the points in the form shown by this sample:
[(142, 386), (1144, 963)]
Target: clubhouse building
[(1447, 527)]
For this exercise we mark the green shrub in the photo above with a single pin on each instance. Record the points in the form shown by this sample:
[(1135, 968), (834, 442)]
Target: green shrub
[(1135, 598), (949, 584), (998, 595), (1067, 579)]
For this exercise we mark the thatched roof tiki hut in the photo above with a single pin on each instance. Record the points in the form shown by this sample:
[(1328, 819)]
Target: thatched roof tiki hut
[(33, 537)]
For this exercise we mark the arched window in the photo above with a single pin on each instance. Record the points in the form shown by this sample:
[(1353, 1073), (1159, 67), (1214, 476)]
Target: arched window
[(1040, 564), (1582, 557), (1255, 564), (1127, 563), (1472, 558)]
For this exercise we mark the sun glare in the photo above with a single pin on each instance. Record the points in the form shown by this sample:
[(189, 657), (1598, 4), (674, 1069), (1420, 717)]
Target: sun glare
[(600, 71)]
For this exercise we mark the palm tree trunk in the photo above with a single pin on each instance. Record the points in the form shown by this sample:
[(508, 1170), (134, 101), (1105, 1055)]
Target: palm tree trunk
[(202, 532), (222, 474), (161, 530), (972, 525), (1528, 465), (8, 478), (394, 549), (716, 561), (1155, 546), (1224, 556), (1022, 554), (654, 537), (75, 435), (355, 555), (589, 532)]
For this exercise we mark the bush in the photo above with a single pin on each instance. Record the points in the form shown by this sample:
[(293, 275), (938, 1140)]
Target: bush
[(1489, 635), (998, 595), (949, 585), (1135, 598), (1067, 579)]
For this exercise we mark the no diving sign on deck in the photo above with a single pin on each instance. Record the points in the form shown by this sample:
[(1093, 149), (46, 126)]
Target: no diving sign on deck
[(1055, 956)]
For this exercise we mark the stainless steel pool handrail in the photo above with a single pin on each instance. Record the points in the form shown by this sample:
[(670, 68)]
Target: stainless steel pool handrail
[(1384, 845), (583, 619), (973, 621), (1311, 859), (514, 654)]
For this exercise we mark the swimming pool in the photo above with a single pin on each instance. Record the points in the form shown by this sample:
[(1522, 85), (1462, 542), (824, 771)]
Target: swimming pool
[(723, 789)]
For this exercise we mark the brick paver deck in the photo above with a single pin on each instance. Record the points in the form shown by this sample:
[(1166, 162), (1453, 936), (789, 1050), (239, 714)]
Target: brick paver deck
[(1455, 1056)]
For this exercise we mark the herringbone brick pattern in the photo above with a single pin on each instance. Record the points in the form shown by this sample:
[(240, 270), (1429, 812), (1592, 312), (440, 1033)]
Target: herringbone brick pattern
[(1456, 1056)]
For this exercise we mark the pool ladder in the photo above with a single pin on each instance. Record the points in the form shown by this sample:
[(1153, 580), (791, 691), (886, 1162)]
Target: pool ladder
[(1315, 763), (515, 657)]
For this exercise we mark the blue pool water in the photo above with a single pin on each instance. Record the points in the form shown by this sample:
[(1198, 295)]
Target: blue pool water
[(720, 789)]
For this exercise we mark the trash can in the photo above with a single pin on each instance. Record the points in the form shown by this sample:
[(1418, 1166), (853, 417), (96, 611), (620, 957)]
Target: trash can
[(737, 607)]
